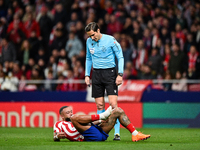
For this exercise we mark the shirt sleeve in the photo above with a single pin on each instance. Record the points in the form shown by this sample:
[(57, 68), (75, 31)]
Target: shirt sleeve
[(88, 63), (118, 52), (56, 127)]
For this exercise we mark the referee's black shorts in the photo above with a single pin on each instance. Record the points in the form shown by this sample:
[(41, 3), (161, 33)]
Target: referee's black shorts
[(104, 79)]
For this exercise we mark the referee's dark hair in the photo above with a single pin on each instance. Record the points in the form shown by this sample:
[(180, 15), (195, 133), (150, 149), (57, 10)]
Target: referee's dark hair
[(92, 26), (61, 109)]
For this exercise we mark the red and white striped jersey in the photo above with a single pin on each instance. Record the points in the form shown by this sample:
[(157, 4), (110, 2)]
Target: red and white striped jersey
[(57, 126), (70, 131)]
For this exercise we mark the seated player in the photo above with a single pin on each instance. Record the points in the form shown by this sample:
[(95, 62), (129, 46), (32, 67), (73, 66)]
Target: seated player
[(92, 127)]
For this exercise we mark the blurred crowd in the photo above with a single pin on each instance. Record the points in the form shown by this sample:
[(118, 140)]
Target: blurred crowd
[(45, 40)]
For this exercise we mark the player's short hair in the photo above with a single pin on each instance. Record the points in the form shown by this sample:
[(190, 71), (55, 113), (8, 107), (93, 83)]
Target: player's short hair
[(61, 109), (92, 26)]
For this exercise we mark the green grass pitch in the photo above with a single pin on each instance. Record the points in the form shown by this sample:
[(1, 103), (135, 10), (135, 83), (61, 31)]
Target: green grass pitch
[(42, 138)]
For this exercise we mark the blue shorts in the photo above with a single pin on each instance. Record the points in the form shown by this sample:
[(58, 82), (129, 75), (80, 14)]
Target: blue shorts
[(95, 133)]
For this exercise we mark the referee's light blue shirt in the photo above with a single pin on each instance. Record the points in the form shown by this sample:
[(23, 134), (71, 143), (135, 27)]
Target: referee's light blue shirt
[(101, 54)]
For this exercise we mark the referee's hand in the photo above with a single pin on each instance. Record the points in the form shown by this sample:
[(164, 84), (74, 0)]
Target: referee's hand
[(87, 81), (119, 80)]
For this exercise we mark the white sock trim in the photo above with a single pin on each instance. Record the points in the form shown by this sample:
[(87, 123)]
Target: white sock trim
[(106, 114), (135, 132)]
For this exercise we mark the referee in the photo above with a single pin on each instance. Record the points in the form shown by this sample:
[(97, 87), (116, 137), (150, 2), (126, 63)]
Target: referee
[(101, 50)]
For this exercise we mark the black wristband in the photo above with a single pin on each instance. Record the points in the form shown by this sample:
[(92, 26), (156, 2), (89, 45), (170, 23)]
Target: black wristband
[(120, 74)]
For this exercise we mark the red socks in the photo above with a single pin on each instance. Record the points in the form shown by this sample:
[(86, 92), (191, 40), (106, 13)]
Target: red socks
[(130, 127), (95, 117)]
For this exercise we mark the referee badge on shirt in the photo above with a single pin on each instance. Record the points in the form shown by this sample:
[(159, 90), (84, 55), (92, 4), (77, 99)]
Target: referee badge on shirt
[(103, 49), (92, 50)]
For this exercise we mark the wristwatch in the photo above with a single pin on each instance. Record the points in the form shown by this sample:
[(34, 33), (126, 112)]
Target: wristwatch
[(120, 74)]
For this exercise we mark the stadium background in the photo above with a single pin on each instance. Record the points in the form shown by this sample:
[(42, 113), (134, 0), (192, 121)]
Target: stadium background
[(42, 45)]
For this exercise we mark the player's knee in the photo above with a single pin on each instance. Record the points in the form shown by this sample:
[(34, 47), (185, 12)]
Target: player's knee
[(118, 111)]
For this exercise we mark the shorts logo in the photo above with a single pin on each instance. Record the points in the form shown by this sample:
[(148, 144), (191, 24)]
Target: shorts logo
[(115, 91), (92, 50)]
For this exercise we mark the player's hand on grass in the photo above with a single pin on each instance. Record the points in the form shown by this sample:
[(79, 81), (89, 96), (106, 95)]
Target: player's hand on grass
[(61, 135)]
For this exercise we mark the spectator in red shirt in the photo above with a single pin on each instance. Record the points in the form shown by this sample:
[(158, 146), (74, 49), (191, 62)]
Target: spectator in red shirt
[(16, 35), (129, 66), (78, 76), (71, 86), (114, 25), (192, 63), (166, 57), (17, 72), (140, 56), (109, 7), (155, 37), (180, 35), (15, 6), (32, 25), (27, 69), (16, 20), (61, 86)]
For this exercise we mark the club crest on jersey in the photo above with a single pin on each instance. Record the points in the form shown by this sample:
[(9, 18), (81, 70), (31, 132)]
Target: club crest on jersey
[(92, 50)]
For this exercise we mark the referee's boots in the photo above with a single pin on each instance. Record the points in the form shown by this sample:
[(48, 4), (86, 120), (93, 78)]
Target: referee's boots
[(117, 137)]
